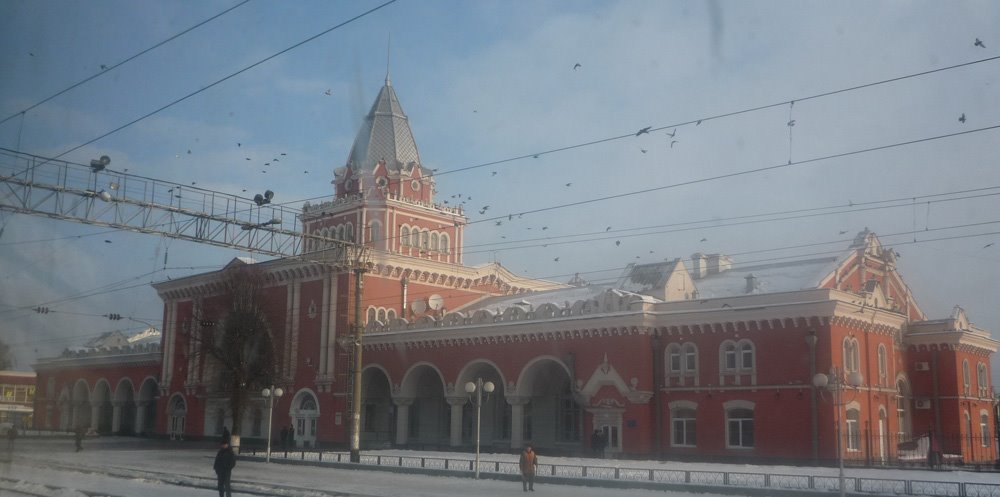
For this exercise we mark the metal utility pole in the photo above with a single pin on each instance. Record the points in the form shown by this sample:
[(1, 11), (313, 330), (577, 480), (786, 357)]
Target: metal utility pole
[(359, 330)]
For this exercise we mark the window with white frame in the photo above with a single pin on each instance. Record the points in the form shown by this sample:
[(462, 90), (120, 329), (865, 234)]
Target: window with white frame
[(901, 410), (404, 236), (684, 427), (674, 358), (853, 430), (852, 356), (434, 242), (982, 380), (739, 428), (445, 243), (690, 358), (375, 231), (729, 356), (746, 355), (965, 375), (984, 428), (883, 366), (415, 237)]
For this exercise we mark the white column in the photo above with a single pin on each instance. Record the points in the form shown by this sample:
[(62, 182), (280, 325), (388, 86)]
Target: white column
[(116, 416), (456, 419), (402, 419), (517, 420)]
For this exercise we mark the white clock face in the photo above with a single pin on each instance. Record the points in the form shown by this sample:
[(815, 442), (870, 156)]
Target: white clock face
[(415, 185), (419, 306)]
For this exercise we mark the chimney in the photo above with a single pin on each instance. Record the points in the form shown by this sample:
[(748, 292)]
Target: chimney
[(751, 283), (718, 263), (699, 265)]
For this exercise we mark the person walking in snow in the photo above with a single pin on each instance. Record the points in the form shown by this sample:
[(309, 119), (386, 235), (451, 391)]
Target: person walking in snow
[(225, 461), (11, 435), (529, 464), (226, 436), (78, 436)]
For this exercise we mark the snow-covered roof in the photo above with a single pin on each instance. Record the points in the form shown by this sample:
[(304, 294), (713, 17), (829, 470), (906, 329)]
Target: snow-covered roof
[(766, 278), (646, 278), (559, 297)]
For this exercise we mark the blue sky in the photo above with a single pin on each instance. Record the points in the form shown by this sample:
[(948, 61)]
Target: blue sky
[(485, 81)]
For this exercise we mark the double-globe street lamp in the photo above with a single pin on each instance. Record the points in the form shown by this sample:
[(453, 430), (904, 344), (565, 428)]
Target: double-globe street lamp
[(478, 388), (270, 394), (836, 382)]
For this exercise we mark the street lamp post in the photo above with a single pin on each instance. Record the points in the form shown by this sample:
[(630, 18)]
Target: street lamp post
[(270, 394), (478, 388), (835, 383)]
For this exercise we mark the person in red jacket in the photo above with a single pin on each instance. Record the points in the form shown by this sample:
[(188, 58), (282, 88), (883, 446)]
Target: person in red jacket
[(528, 463)]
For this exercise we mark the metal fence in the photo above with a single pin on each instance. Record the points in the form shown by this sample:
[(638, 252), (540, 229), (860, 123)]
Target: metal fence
[(873, 486), (906, 450)]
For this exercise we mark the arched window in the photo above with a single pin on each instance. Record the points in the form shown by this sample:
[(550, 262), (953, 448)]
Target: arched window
[(308, 403), (982, 380), (852, 358), (390, 315), (415, 236), (674, 358), (729, 356), (853, 430), (434, 242), (371, 315), (375, 231), (901, 400), (882, 365), (690, 358), (739, 428), (349, 232), (445, 243), (984, 429), (425, 241), (965, 375), (381, 315), (340, 232), (746, 355), (684, 427), (404, 235)]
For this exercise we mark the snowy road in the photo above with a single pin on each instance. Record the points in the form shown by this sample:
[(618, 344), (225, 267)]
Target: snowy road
[(130, 467)]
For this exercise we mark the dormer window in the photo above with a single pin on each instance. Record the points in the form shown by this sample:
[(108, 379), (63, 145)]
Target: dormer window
[(415, 185)]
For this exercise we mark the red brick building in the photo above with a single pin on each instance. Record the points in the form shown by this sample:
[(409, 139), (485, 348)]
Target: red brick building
[(703, 357)]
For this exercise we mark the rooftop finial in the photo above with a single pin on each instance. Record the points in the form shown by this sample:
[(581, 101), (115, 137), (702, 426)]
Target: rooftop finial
[(388, 46)]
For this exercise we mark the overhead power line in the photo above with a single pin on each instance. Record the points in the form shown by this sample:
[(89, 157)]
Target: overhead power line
[(217, 82), (119, 64)]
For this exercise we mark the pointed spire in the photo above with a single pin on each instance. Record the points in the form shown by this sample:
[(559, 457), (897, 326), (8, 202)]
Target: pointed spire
[(388, 47)]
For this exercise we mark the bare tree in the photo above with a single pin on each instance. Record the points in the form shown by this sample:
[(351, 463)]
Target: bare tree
[(241, 344)]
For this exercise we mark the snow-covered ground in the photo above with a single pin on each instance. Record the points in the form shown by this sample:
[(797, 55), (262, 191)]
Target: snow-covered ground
[(132, 467)]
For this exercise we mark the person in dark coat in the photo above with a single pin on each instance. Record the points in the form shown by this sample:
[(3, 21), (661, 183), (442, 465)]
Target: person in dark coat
[(528, 464), (597, 443), (78, 436), (226, 436), (225, 461), (11, 435)]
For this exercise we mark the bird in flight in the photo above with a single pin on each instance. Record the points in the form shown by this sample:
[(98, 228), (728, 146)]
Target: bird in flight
[(618, 243), (791, 123), (672, 133), (544, 228), (248, 158), (105, 68), (979, 43), (607, 229), (568, 184), (961, 118), (843, 231), (698, 123), (578, 65), (499, 223), (643, 131), (327, 92), (704, 239), (494, 173), (556, 259), (988, 245)]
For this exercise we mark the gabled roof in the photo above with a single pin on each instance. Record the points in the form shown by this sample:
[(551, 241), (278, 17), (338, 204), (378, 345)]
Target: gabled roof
[(385, 134)]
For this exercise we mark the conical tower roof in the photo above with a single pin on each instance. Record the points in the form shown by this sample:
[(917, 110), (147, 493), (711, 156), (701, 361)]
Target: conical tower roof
[(385, 134)]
